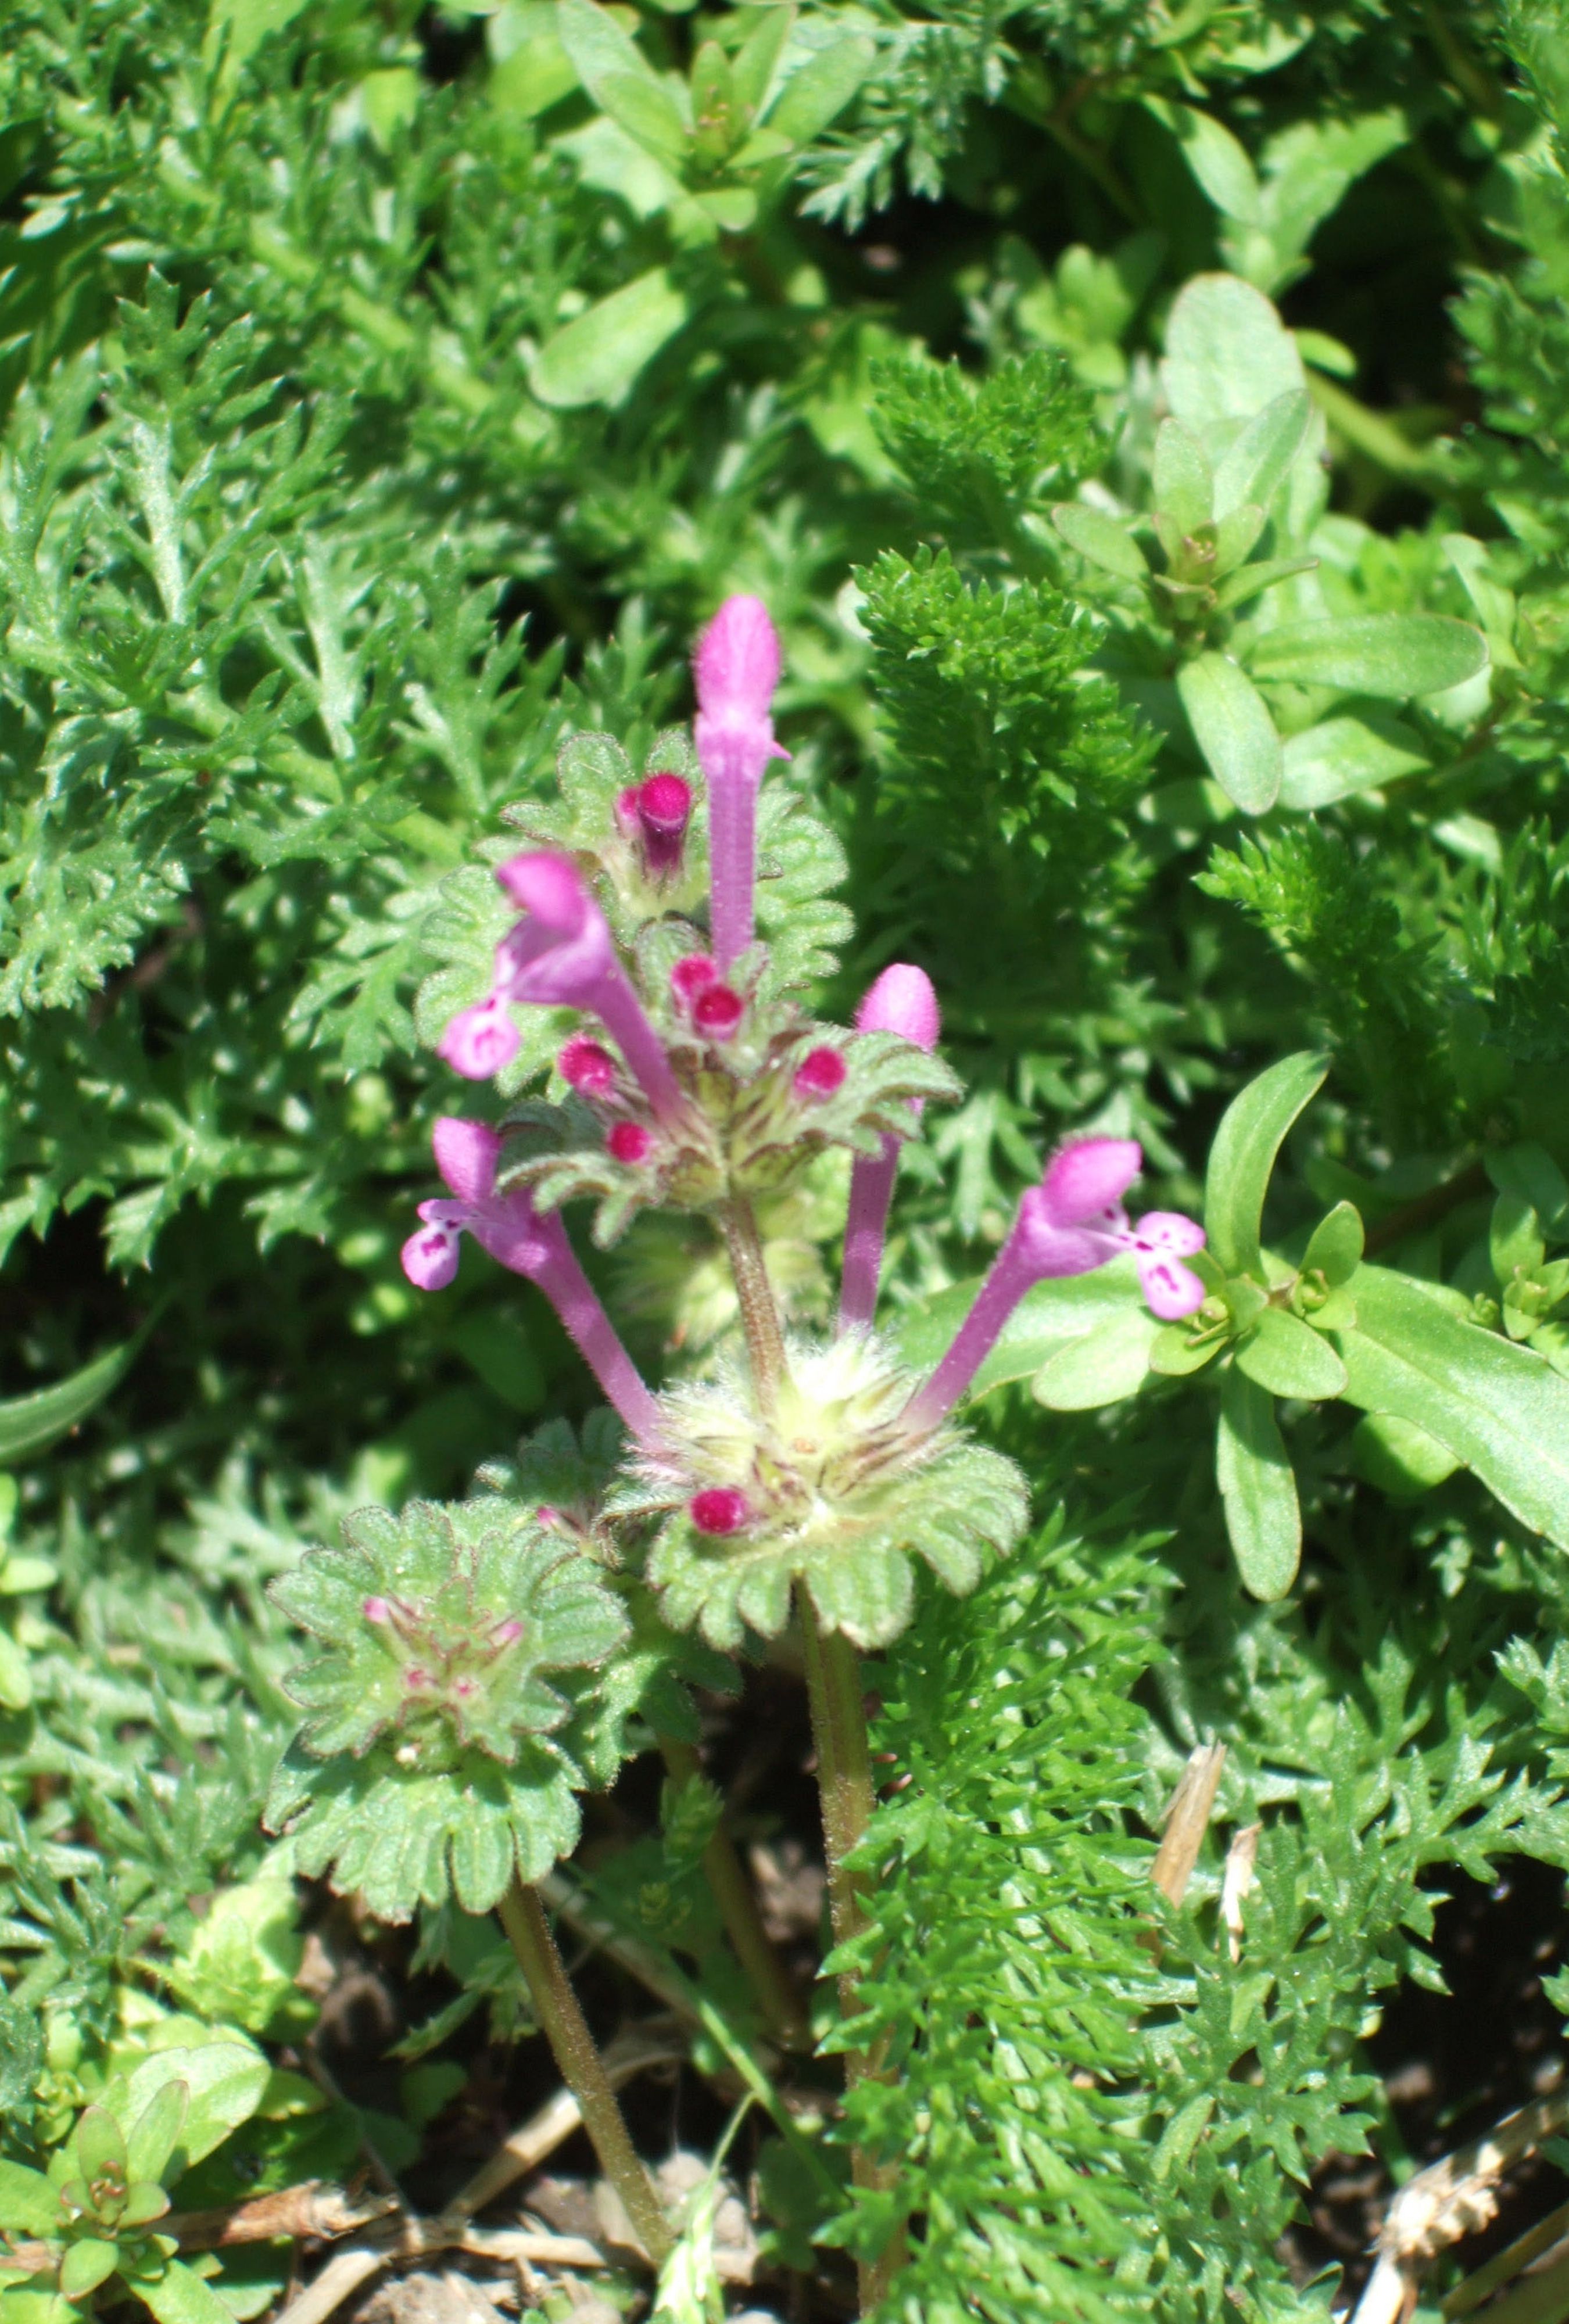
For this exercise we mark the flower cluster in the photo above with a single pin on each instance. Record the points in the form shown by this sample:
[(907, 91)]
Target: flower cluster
[(449, 1643), (696, 1079)]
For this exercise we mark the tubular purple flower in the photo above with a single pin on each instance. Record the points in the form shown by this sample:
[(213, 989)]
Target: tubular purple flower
[(519, 1238), (560, 956), (901, 1000), (1071, 1224), (736, 667)]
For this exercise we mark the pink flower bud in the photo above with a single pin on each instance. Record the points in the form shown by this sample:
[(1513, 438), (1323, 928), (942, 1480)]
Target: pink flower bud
[(629, 1141), (717, 1011), (736, 667), (719, 1509), (819, 1074), (585, 1066), (901, 1001), (661, 810), (736, 664), (480, 1041), (690, 975), (376, 1609), (505, 1633)]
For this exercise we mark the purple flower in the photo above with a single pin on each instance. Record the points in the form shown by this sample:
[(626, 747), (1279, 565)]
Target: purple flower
[(507, 1225), (1071, 1224), (901, 1001), (736, 668), (561, 955)]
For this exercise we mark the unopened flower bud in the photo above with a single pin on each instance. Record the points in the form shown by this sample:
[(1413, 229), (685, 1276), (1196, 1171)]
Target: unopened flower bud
[(660, 812), (717, 1011), (586, 1067), (376, 1609), (505, 1633), (719, 1509), (736, 667), (820, 1073), (901, 1001), (629, 1141), (692, 975)]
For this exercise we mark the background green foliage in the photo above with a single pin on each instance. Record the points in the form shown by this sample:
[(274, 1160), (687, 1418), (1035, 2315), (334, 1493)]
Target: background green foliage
[(387, 395)]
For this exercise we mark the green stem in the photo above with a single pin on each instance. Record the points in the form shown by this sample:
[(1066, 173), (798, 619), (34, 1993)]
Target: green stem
[(774, 1987), (759, 1315), (522, 1916), (845, 1784)]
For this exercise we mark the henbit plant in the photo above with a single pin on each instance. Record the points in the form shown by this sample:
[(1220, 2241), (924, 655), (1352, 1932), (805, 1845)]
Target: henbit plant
[(377, 410), (470, 1652)]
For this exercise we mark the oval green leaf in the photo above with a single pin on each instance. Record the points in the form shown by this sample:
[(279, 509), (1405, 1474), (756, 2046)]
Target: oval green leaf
[(1101, 539), (595, 357), (1184, 484), (646, 110), (1397, 1457), (1243, 1158), (180, 2296), (1106, 1365), (1288, 1358), (1397, 657), (1228, 355), (86, 2265), (1254, 465), (1341, 756), (1257, 1488), (29, 2203), (1233, 730), (1498, 1407), (1046, 1321), (1335, 1249), (820, 89), (224, 2081)]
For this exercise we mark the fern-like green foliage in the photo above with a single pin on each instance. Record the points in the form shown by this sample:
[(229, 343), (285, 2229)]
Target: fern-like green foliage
[(1009, 2025)]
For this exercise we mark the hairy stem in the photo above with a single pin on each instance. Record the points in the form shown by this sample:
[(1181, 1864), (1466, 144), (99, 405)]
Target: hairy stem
[(774, 1987), (522, 1916), (759, 1315), (845, 1785)]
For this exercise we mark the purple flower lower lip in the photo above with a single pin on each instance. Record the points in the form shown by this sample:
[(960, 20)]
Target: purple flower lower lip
[(519, 1238), (1071, 1224)]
